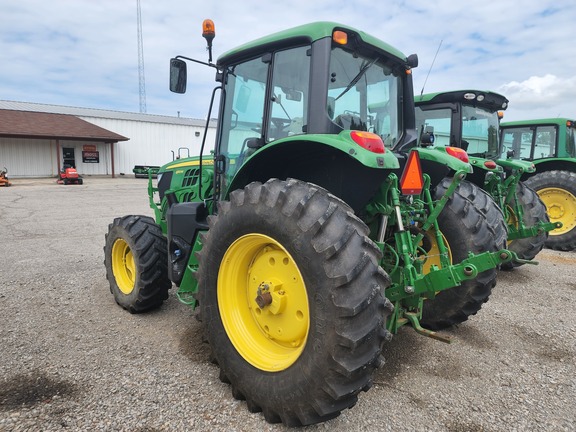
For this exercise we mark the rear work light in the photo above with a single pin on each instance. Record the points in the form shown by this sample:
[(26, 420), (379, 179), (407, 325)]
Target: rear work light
[(458, 153), (368, 140), (412, 182)]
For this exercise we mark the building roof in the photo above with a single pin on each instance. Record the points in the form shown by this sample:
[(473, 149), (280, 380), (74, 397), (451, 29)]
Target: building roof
[(28, 124), (100, 113)]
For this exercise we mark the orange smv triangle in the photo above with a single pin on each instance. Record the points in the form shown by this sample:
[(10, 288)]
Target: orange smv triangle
[(412, 182)]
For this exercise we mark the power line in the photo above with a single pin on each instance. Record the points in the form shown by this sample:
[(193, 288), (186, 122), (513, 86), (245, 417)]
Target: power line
[(141, 78)]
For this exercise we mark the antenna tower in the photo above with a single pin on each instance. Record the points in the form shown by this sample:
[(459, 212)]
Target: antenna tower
[(141, 79)]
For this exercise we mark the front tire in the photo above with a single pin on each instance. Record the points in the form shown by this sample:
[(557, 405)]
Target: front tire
[(557, 190), (470, 222), (534, 211), (291, 297), (136, 261)]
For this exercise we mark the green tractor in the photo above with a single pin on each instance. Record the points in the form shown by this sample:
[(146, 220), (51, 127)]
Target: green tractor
[(469, 119), (302, 238), (551, 145)]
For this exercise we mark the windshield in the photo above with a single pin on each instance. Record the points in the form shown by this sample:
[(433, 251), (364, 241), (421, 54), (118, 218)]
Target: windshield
[(437, 121), (528, 142), (245, 124), (479, 135), (363, 94), (480, 131)]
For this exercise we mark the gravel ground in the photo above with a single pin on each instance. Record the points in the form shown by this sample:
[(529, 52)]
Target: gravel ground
[(71, 359)]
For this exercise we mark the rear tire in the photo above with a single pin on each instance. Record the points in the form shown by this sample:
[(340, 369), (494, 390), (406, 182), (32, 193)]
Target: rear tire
[(136, 261), (470, 222), (557, 190), (534, 212), (305, 356)]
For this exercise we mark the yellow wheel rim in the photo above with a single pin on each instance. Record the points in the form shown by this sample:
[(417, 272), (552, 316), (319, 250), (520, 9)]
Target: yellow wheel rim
[(561, 207), (263, 302), (123, 266), (433, 255), (512, 221)]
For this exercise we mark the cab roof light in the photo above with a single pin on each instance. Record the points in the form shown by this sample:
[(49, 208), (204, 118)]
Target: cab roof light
[(208, 29), (412, 182), (340, 37), (501, 114), (209, 33), (368, 140), (458, 153)]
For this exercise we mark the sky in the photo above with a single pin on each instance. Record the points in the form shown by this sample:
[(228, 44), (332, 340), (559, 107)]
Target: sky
[(84, 53)]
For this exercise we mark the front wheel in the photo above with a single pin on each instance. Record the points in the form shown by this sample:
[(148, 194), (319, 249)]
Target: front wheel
[(136, 261), (534, 211), (291, 297), (557, 190), (470, 222)]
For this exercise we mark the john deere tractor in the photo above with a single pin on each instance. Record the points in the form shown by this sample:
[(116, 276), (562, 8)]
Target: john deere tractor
[(302, 238), (469, 119), (551, 145)]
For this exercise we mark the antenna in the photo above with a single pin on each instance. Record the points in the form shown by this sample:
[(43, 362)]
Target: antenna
[(141, 79), (432, 65)]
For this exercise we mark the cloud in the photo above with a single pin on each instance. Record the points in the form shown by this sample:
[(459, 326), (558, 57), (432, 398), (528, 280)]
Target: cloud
[(82, 53), (542, 96)]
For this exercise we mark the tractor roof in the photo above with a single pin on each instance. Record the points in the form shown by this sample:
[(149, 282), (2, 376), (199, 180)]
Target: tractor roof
[(482, 98), (302, 34), (559, 121)]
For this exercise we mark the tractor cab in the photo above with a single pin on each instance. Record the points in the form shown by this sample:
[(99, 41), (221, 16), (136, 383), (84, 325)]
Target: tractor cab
[(279, 115), (539, 140), (467, 119)]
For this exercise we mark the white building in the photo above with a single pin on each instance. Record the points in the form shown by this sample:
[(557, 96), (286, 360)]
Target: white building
[(121, 140)]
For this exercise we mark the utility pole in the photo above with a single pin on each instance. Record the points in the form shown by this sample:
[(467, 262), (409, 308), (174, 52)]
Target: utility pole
[(141, 78)]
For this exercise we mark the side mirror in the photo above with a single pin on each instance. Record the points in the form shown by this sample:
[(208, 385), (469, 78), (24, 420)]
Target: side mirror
[(412, 60), (178, 76)]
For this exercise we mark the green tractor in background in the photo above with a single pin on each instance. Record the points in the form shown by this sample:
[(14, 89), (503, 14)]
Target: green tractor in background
[(314, 230), (469, 119), (551, 145)]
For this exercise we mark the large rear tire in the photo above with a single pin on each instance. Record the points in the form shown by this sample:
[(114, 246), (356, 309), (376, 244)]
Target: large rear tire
[(136, 261), (292, 301), (534, 211), (470, 222), (557, 190)]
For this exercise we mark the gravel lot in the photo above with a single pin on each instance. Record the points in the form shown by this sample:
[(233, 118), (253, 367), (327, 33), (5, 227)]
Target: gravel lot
[(71, 359)]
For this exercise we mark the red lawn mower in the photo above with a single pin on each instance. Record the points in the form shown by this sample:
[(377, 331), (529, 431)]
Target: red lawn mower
[(69, 175), (4, 178)]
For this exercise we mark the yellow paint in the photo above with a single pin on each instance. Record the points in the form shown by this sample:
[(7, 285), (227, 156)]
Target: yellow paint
[(190, 164), (273, 337), (123, 266), (561, 207)]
